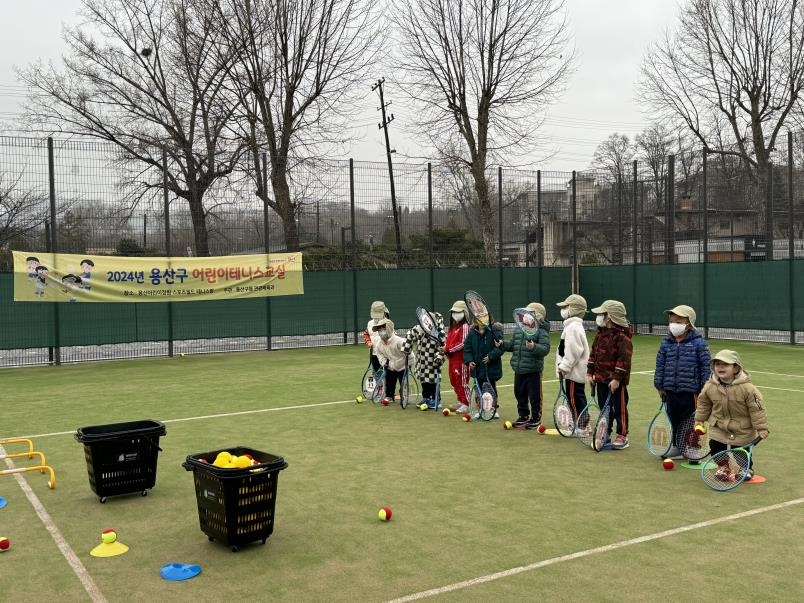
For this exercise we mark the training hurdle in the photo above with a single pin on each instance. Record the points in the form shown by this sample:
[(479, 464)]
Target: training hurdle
[(30, 453)]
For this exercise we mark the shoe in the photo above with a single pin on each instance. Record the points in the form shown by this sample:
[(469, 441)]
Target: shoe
[(723, 474), (533, 423), (433, 404), (620, 443), (521, 422), (496, 414), (673, 454), (581, 432), (476, 416), (461, 408)]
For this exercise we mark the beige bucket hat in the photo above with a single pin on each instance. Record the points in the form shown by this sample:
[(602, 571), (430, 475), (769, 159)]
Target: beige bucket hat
[(575, 303), (378, 310), (684, 311), (615, 310), (384, 323), (727, 356), (458, 306), (539, 311)]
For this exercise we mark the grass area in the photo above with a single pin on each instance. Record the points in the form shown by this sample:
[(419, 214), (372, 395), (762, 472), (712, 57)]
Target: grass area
[(468, 499)]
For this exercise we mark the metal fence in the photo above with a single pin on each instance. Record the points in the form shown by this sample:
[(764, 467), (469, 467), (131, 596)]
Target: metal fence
[(702, 208)]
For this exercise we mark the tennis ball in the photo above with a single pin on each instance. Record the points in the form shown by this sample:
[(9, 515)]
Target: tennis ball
[(182, 354), (508, 425), (423, 406), (700, 429), (385, 514), (108, 536), (446, 412), (668, 464), (542, 428), (359, 399), (466, 417), (5, 543), (384, 402)]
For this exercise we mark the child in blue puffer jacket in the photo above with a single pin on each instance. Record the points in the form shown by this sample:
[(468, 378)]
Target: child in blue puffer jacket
[(682, 369)]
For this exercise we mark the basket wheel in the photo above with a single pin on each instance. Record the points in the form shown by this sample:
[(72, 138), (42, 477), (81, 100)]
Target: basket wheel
[(102, 499), (235, 549), (263, 540), (144, 493), (211, 539)]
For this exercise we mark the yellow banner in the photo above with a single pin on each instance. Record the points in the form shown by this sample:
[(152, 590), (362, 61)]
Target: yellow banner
[(64, 277)]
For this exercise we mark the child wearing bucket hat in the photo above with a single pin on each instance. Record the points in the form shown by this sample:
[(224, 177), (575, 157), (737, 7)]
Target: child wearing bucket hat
[(682, 369), (733, 406), (390, 352), (378, 311), (453, 347), (572, 355), (609, 367), (482, 354), (527, 362)]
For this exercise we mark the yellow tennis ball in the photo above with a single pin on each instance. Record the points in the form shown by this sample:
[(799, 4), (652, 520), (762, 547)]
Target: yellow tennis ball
[(700, 429), (508, 425), (385, 514), (359, 399), (423, 406), (108, 536)]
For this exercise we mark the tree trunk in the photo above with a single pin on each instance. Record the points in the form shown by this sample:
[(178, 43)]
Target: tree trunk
[(284, 205), (199, 219), (485, 212)]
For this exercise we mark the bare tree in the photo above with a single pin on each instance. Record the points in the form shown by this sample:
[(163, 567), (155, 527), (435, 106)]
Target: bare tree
[(731, 74), (614, 156), (301, 62), (22, 210), (154, 82), (484, 69)]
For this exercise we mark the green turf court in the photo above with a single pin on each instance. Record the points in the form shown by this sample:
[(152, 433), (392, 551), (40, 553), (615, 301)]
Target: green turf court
[(480, 513)]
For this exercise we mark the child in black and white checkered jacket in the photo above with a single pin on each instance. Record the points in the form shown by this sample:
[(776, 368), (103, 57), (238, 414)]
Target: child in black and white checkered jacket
[(428, 360)]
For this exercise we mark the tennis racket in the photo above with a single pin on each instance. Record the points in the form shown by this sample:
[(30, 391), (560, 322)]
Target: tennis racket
[(660, 431), (693, 445), (526, 321), (379, 386), (368, 382), (409, 388), (488, 401), (587, 419), (477, 306), (429, 324), (562, 413), (728, 469), (601, 430)]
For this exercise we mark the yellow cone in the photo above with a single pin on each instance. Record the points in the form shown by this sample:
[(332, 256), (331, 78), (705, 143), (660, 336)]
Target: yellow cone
[(109, 550)]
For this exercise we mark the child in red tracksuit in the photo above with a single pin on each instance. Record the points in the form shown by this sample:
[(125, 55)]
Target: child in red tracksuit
[(453, 347), (609, 367)]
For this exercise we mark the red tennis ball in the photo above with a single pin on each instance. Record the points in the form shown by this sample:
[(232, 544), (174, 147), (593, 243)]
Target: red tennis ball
[(384, 402), (446, 412), (5, 543), (542, 428), (385, 514), (668, 464), (467, 417)]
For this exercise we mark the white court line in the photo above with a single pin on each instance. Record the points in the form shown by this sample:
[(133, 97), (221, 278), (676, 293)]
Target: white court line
[(66, 550), (777, 374), (601, 549)]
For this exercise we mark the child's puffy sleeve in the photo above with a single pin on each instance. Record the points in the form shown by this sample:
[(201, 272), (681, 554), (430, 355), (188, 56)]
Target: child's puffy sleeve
[(704, 364), (756, 408), (703, 406)]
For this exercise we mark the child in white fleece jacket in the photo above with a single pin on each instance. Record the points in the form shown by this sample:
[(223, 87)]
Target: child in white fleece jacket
[(572, 355)]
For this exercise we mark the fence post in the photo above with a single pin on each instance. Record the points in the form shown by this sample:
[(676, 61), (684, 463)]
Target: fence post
[(354, 247), (500, 235), (670, 212), (634, 245), (430, 232), (539, 233), (769, 209), (705, 206), (790, 242), (166, 202), (620, 219), (53, 353), (266, 226), (574, 272)]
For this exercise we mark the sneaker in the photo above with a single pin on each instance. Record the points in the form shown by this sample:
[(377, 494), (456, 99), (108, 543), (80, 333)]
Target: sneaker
[(433, 404), (521, 422), (533, 423), (723, 474), (476, 415), (620, 443), (496, 414), (461, 408), (673, 454)]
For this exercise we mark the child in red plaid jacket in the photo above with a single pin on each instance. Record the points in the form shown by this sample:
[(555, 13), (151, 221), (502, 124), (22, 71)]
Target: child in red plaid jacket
[(609, 367)]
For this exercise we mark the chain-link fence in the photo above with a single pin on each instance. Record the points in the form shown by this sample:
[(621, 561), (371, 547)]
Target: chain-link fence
[(701, 220)]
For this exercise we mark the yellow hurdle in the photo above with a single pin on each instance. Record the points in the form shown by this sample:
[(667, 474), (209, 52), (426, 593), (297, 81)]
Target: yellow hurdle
[(41, 467), (30, 455), (20, 441), (51, 483)]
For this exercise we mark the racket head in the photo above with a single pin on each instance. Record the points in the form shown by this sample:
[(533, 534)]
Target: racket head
[(587, 419), (660, 432), (428, 323), (488, 402), (728, 469), (562, 414), (368, 383), (693, 445), (526, 321), (600, 433), (379, 387), (476, 400), (477, 306), (409, 390)]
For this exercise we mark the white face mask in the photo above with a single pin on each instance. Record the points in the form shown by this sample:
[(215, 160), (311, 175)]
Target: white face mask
[(565, 313), (384, 334), (677, 328), (457, 316), (600, 320)]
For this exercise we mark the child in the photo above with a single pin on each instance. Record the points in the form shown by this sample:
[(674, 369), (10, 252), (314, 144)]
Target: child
[(682, 369), (453, 348), (572, 355), (370, 338), (527, 361), (429, 358), (733, 406), (482, 353), (609, 366), (390, 354)]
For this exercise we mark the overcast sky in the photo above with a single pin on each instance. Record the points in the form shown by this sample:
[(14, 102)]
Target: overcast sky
[(610, 36)]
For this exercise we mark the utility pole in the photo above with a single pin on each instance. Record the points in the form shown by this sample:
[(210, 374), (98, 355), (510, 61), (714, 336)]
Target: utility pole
[(384, 126)]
